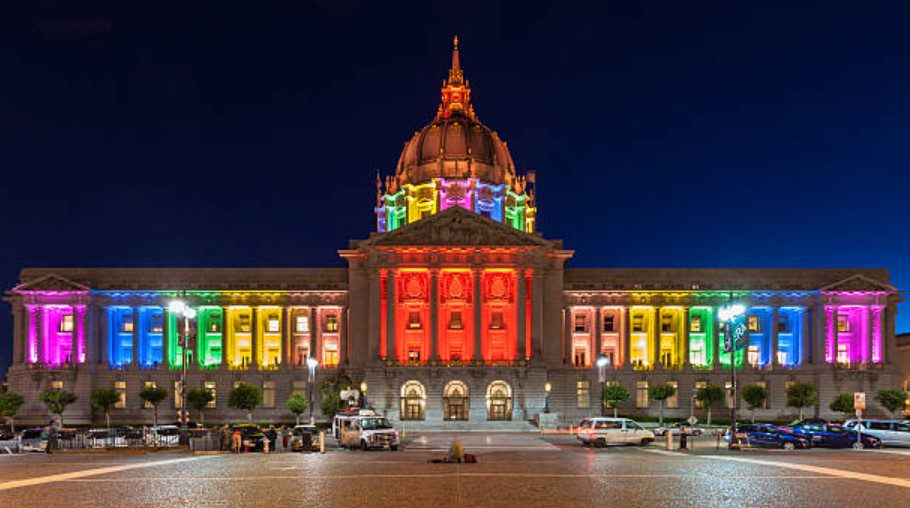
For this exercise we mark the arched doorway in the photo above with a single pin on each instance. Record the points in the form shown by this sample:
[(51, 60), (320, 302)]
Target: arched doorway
[(499, 401), (455, 401), (413, 401)]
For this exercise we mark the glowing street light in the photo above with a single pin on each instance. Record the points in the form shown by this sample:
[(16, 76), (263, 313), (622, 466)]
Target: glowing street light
[(311, 363), (547, 387), (181, 309), (730, 315), (601, 364)]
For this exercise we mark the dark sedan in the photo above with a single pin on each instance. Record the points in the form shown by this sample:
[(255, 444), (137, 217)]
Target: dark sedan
[(826, 435), (252, 436), (766, 435)]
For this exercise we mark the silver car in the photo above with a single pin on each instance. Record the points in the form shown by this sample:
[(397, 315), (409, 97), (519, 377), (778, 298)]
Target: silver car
[(891, 432)]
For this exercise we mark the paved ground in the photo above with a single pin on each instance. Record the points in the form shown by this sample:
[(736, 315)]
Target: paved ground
[(514, 469)]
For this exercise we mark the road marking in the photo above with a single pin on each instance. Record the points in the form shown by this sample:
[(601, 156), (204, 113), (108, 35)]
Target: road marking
[(886, 480), (895, 452), (91, 472), (444, 475)]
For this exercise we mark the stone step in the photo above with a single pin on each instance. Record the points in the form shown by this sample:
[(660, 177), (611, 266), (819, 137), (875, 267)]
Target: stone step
[(468, 426)]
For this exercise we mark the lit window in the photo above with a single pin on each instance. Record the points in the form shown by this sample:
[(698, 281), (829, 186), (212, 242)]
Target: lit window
[(414, 320), (843, 354), (244, 325), (783, 325), (583, 394), (641, 394), (666, 323), (580, 358), (843, 324), (330, 356), (783, 358), (581, 322), (697, 355), (214, 323), (695, 324), (120, 386), (455, 321), (414, 355), (303, 324), (268, 394), (666, 358), (638, 323), (66, 324), (754, 324), (496, 321), (274, 325), (331, 323), (127, 325), (210, 387), (157, 323), (57, 385), (608, 324), (728, 394), (754, 356)]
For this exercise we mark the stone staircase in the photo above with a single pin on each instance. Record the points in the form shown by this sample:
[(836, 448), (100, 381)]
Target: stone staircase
[(467, 426)]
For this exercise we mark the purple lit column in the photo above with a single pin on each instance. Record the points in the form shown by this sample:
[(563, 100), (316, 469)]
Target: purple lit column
[(32, 352), (78, 351), (830, 332), (877, 333)]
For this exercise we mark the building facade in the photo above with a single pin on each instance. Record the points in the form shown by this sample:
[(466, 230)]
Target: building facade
[(456, 312)]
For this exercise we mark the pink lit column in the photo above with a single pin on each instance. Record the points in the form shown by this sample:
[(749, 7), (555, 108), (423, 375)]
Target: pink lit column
[(32, 351), (877, 342), (830, 332)]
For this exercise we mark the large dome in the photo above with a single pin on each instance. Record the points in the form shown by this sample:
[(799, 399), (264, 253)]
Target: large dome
[(456, 146)]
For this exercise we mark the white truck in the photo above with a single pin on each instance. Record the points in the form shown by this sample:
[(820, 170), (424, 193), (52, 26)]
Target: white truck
[(365, 430)]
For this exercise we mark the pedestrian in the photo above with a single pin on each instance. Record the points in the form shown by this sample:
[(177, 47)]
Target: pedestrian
[(225, 438), (236, 441), (717, 434), (285, 437), (272, 438), (265, 445), (683, 440)]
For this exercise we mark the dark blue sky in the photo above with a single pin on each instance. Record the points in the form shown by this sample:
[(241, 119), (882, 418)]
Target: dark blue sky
[(663, 133)]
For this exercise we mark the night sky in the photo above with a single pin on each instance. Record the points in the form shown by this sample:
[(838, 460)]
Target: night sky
[(662, 133)]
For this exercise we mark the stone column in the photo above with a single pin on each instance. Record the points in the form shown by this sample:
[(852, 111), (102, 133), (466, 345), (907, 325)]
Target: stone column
[(343, 334), (657, 332), (225, 359), (626, 338), (287, 351), (775, 318), (434, 318), (867, 340), (78, 328), (683, 335), (39, 333), (715, 339), (536, 314), (889, 336), (521, 353), (105, 339), (567, 333), (804, 338), (254, 338), (598, 333), (478, 325), (20, 340), (136, 337), (390, 352), (831, 333), (315, 335)]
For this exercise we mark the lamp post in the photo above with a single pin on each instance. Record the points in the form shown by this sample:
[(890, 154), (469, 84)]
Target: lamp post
[(311, 363), (546, 397), (730, 315), (180, 308), (363, 392), (601, 363)]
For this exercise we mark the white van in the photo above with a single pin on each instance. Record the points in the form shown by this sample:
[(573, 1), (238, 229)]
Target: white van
[(612, 431), (891, 432), (366, 432)]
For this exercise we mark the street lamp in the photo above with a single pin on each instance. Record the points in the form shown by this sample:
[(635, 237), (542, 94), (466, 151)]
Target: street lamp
[(729, 315), (363, 391), (311, 363), (601, 363), (546, 398), (179, 308)]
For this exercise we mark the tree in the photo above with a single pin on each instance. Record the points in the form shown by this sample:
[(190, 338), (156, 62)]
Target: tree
[(801, 396), (103, 399), (297, 404), (331, 387), (56, 400), (615, 395), (153, 395), (755, 397), (199, 399), (9, 405), (892, 400), (661, 392), (332, 404), (842, 403), (246, 397), (709, 396)]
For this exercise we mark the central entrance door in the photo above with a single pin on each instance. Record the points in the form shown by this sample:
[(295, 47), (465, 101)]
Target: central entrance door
[(499, 401), (455, 401)]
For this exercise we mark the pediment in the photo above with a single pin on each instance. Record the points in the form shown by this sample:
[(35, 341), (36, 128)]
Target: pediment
[(858, 283), (456, 226), (50, 283)]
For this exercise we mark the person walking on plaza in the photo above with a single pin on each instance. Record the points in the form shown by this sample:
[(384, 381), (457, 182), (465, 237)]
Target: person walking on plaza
[(265, 445), (236, 442), (225, 439), (285, 437), (683, 440)]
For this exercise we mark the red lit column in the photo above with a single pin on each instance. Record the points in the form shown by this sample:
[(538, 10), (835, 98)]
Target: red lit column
[(478, 323), (521, 339), (434, 319)]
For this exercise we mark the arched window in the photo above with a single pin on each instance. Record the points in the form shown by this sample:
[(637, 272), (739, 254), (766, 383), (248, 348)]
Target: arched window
[(456, 401), (413, 400), (499, 401)]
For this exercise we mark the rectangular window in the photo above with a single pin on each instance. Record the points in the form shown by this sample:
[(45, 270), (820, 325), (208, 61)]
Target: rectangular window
[(56, 385), (66, 324), (496, 322), (666, 323), (641, 394), (268, 394), (303, 324), (455, 321), (753, 355), (210, 387), (699, 384), (126, 326), (157, 323), (697, 354), (414, 320), (695, 324), (177, 398), (673, 402), (728, 394), (120, 386), (580, 357), (609, 324), (274, 325), (581, 323), (414, 355), (145, 404), (330, 356), (244, 325), (754, 324), (783, 325), (583, 394), (638, 323), (843, 324), (843, 354), (331, 323)]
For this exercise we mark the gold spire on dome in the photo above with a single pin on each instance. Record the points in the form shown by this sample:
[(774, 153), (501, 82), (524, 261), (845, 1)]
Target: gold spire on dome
[(456, 92)]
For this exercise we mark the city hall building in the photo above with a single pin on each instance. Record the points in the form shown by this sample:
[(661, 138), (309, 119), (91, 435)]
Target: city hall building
[(455, 312)]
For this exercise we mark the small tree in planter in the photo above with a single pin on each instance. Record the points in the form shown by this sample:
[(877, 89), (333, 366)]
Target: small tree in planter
[(661, 392), (842, 403), (298, 405), (892, 400), (709, 396), (9, 406), (153, 395), (103, 399), (755, 397), (801, 396), (615, 395), (246, 397), (56, 400), (199, 399)]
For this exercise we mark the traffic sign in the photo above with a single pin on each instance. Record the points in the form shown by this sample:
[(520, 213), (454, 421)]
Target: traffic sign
[(859, 401), (692, 420)]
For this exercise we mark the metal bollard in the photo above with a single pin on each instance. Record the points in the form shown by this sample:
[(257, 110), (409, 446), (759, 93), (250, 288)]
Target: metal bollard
[(322, 442), (669, 440)]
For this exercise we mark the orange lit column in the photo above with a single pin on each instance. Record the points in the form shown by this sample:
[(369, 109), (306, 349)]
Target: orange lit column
[(434, 318), (254, 338), (626, 338), (521, 340), (315, 328), (478, 299)]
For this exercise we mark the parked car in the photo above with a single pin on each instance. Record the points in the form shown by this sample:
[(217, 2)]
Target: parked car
[(105, 438), (304, 438), (766, 435), (835, 436), (8, 442), (251, 434), (609, 431), (678, 427), (891, 432), (164, 435), (30, 440)]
